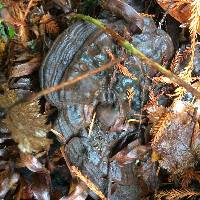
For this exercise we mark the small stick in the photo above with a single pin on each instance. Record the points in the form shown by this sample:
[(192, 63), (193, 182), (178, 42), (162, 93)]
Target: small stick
[(75, 172), (127, 12), (88, 182), (36, 96), (75, 80), (92, 124)]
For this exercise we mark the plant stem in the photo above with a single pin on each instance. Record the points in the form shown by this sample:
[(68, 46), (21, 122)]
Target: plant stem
[(134, 51)]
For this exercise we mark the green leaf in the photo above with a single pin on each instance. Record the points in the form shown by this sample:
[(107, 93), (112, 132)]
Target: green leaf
[(1, 5), (11, 32)]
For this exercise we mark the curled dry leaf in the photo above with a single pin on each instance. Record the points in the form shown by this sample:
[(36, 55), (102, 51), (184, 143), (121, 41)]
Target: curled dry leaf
[(26, 68), (181, 10), (32, 163)]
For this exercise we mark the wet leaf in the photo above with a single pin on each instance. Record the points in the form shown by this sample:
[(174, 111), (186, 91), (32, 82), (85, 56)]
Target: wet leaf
[(176, 138), (32, 163), (26, 68), (133, 151)]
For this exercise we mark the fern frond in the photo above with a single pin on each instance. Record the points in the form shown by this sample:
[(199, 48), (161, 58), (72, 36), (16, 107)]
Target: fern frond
[(158, 129), (123, 70), (175, 194), (130, 95), (50, 24), (180, 57), (194, 24)]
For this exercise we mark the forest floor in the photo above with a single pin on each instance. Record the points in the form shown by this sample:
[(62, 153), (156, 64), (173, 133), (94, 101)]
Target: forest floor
[(90, 116)]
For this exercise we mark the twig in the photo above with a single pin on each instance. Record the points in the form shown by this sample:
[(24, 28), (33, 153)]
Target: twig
[(68, 163), (35, 96), (75, 80), (134, 51), (60, 136), (75, 172), (89, 183), (92, 124)]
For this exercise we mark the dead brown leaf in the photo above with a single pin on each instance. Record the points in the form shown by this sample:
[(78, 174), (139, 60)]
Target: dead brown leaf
[(133, 151), (176, 138), (26, 68), (179, 9), (32, 163), (28, 127)]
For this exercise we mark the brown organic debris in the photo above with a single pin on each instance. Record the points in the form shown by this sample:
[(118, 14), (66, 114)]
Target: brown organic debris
[(181, 10), (30, 137), (7, 96), (32, 163), (26, 68), (20, 118), (173, 135)]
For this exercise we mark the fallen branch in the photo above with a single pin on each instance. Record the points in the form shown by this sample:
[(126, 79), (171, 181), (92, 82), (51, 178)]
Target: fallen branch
[(134, 51)]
